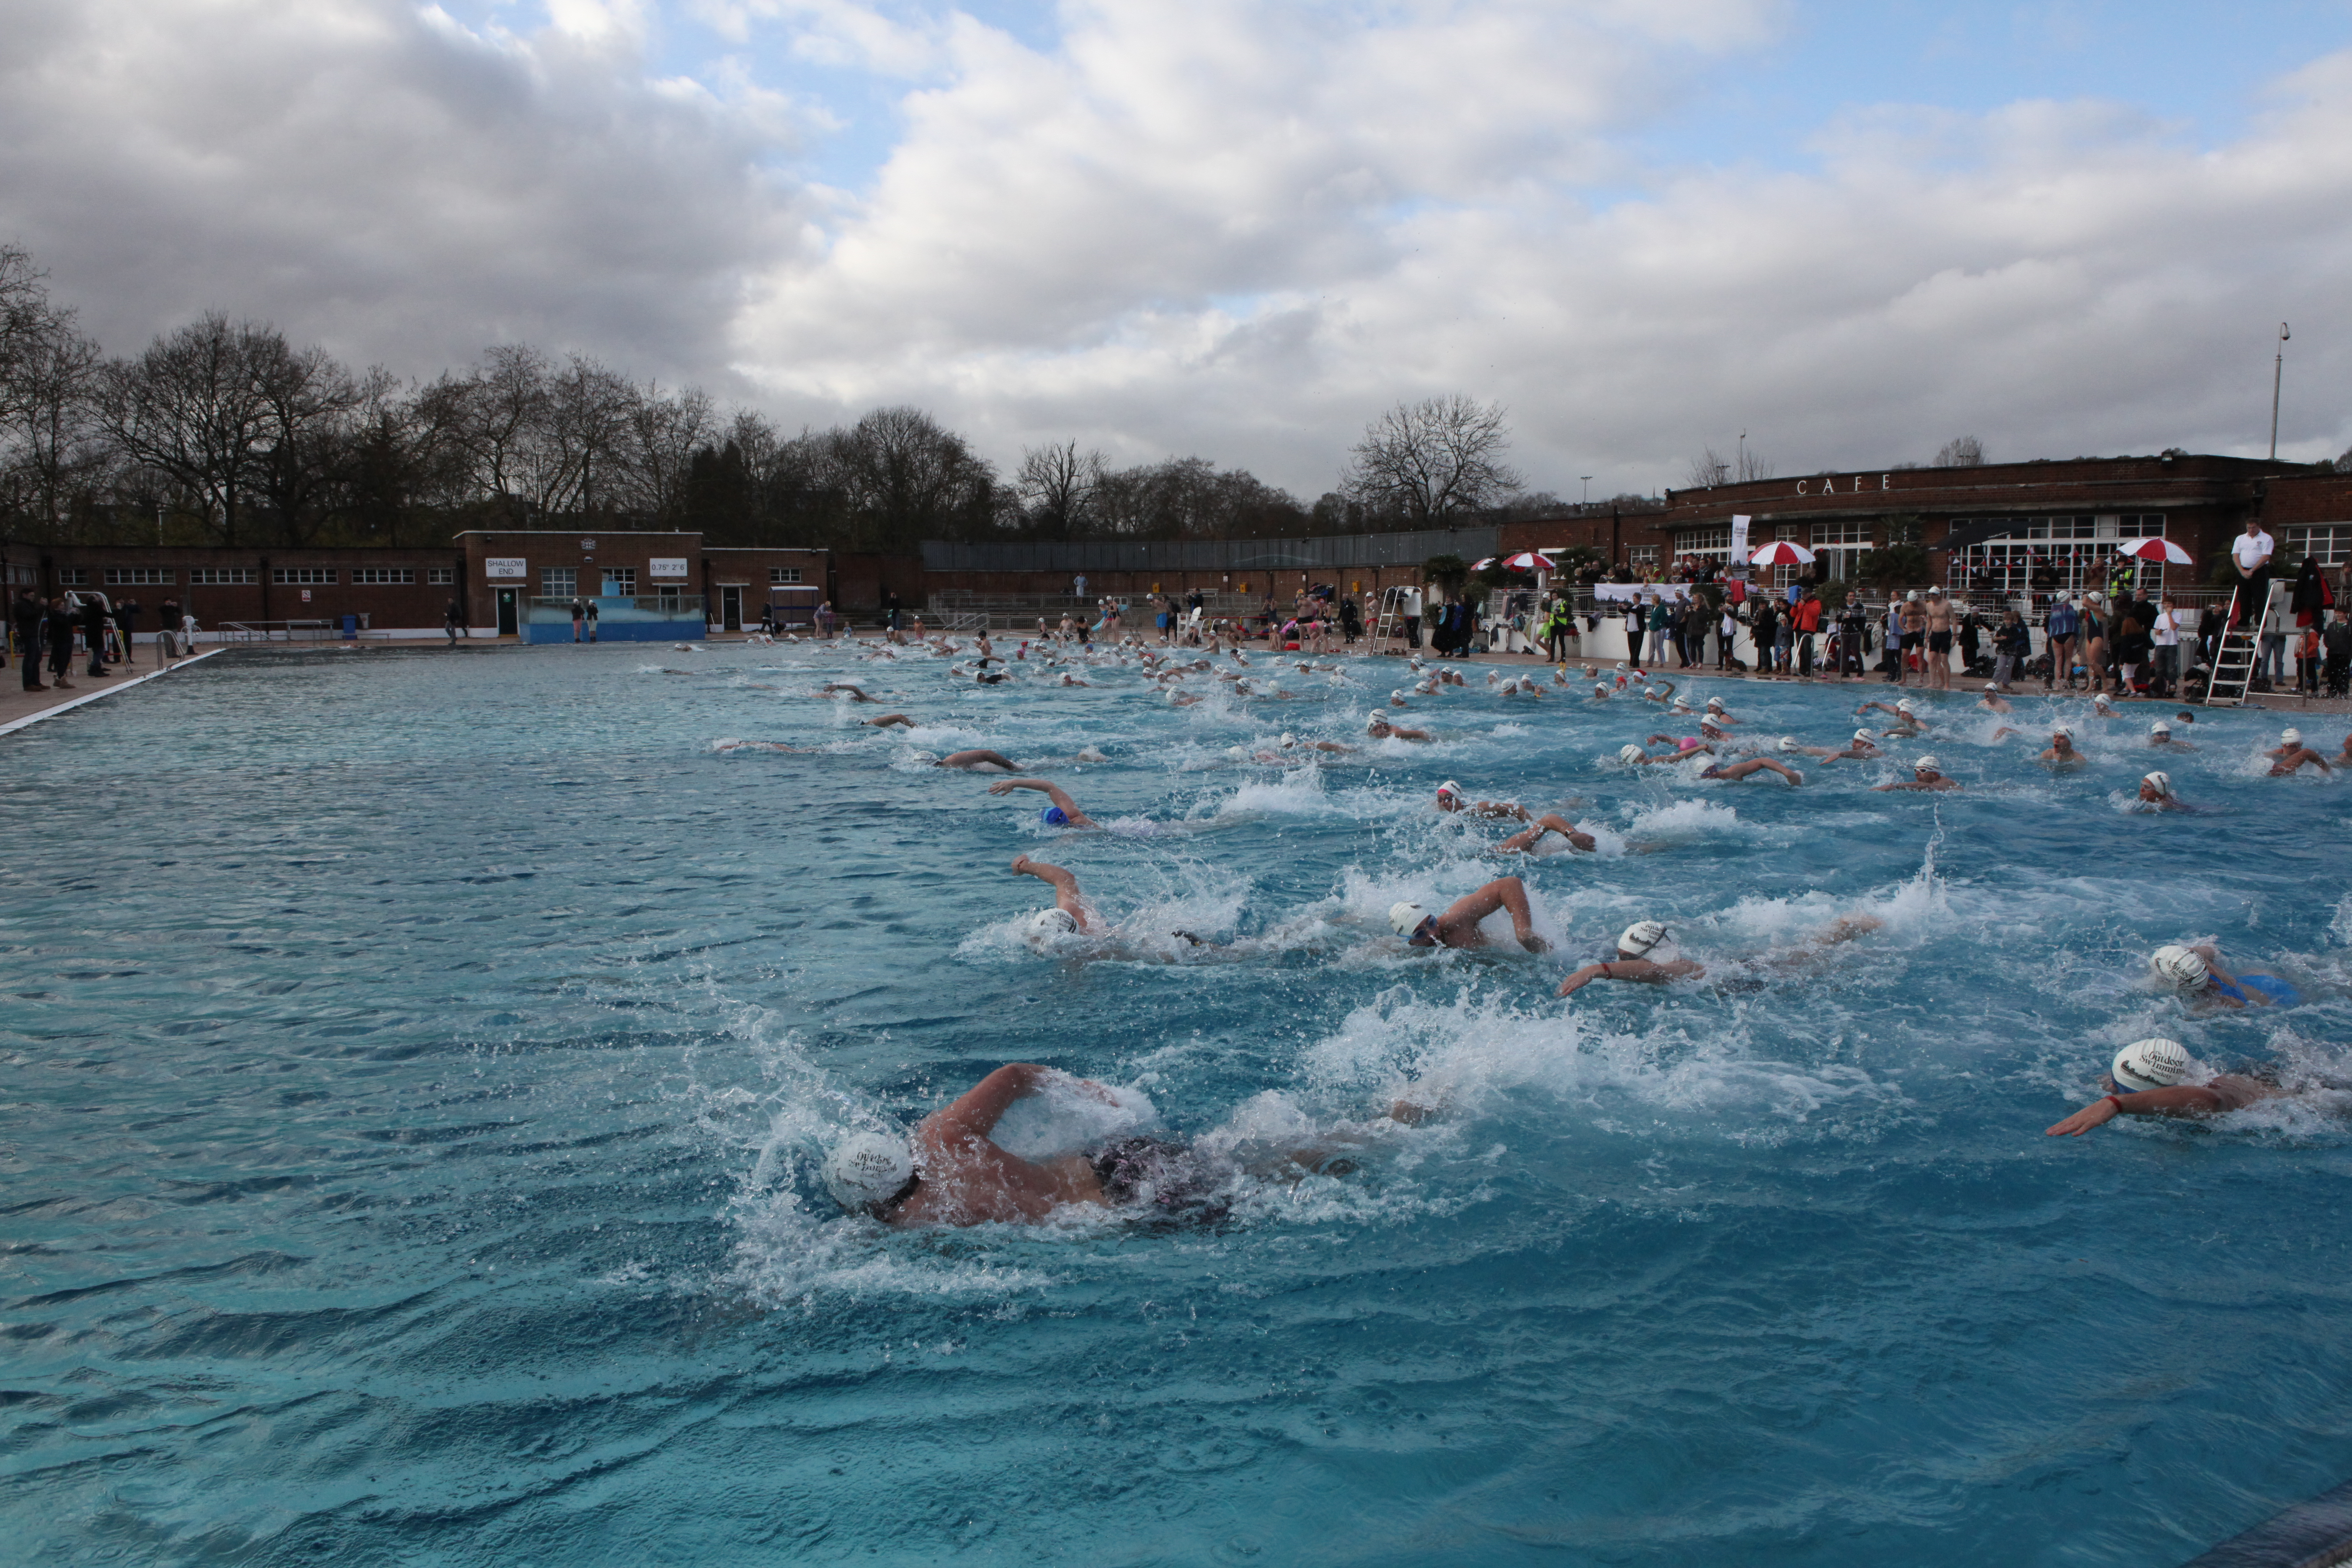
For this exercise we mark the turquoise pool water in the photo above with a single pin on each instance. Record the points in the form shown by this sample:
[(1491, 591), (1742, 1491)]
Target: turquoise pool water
[(416, 1065)]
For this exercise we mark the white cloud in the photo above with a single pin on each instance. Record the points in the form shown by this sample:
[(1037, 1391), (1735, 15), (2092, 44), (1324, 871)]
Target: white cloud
[(1228, 229)]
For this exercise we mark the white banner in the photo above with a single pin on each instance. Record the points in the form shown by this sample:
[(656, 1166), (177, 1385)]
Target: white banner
[(666, 567), (1635, 591), (1739, 537), (504, 566)]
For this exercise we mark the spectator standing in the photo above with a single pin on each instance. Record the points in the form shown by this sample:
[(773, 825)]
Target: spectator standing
[(579, 620), (589, 611), (1078, 587), (1809, 629), (93, 632), (1662, 626), (167, 631), (2164, 638), (60, 632), (1764, 632), (126, 627), (2336, 641), (29, 617), (2012, 645), (452, 621), (1409, 603)]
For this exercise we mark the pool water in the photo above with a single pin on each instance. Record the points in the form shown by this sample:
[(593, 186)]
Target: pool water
[(418, 1064)]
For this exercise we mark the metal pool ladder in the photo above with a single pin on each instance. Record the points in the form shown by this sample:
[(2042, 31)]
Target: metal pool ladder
[(2233, 660)]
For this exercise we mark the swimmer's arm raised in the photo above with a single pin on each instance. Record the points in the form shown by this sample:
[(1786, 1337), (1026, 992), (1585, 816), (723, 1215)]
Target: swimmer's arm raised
[(1053, 791)]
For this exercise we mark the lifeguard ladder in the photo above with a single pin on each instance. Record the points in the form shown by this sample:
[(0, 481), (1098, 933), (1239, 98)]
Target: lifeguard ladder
[(2233, 660)]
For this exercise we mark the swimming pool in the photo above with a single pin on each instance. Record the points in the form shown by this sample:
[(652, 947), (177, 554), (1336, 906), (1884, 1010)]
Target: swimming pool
[(416, 1063)]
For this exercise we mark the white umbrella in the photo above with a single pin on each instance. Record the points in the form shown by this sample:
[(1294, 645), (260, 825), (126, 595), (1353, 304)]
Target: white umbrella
[(1780, 553), (1529, 560)]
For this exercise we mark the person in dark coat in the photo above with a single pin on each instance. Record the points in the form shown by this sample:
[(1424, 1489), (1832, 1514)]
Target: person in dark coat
[(60, 634), (93, 632), (30, 614)]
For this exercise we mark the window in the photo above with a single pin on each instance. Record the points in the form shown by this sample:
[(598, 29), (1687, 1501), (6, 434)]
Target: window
[(779, 576), (73, 576), (558, 582), (441, 576), (2140, 525), (1703, 542), (2329, 543), (305, 576), (1857, 533), (219, 576), (384, 575), (138, 577), (1643, 555), (620, 582)]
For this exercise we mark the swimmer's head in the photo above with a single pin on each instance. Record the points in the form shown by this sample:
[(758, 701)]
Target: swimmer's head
[(2290, 736), (2062, 732), (1629, 754), (2145, 1065), (1376, 725), (1863, 735), (1992, 686), (1715, 704), (1649, 691), (1788, 743), (2160, 728), (1289, 740), (1056, 922), (1054, 816), (1913, 596), (1599, 689), (1449, 797), (1638, 940), (2160, 782), (866, 1170), (2101, 700), (1412, 922), (2177, 966), (1925, 765), (1689, 743), (1904, 704)]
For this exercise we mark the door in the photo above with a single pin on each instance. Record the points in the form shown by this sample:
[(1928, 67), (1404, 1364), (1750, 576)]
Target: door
[(507, 626), (730, 609)]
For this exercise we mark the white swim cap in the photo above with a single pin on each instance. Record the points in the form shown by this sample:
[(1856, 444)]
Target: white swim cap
[(1448, 787), (1924, 765), (1715, 701), (1913, 595), (1629, 754), (1405, 917), (867, 1168), (1862, 736), (1903, 704), (1788, 743), (2290, 736), (2149, 1064), (1599, 689), (1288, 739), (1640, 937), (2178, 966), (1621, 664), (1649, 691), (1056, 922), (2065, 730), (1992, 686), (2160, 728), (2100, 700)]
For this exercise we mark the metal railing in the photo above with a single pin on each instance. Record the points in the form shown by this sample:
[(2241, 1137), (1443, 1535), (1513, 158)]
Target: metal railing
[(279, 631)]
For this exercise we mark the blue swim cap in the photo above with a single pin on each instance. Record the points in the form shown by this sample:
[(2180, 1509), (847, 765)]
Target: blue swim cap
[(1054, 816)]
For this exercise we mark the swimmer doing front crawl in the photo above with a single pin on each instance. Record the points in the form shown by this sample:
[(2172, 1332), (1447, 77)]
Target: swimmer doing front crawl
[(1063, 813), (952, 1172), (1458, 926), (1642, 938), (2146, 1081)]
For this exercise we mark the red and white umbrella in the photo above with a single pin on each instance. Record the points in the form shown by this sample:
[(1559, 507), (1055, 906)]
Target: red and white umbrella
[(1525, 561), (2162, 549), (1780, 553)]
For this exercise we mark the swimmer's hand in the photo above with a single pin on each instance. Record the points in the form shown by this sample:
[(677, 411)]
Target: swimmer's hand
[(2098, 1113), (1579, 980)]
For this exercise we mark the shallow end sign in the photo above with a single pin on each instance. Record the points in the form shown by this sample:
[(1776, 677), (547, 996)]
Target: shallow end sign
[(497, 567), (666, 567)]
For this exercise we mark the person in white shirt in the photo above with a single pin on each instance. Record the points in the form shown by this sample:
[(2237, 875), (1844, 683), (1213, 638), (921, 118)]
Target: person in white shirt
[(2166, 634), (2252, 552)]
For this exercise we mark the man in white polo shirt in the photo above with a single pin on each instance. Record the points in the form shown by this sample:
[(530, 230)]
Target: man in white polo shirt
[(2252, 552)]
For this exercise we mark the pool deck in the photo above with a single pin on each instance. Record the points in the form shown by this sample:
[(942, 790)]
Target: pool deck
[(19, 707)]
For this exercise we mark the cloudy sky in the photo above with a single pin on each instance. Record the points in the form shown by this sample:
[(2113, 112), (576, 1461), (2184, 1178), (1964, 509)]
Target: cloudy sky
[(1238, 231)]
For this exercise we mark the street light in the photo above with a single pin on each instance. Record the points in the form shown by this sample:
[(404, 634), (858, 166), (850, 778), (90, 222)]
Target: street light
[(1588, 489), (2278, 367)]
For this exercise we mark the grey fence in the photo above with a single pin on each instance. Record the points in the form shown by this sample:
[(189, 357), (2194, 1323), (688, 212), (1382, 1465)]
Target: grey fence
[(1328, 552)]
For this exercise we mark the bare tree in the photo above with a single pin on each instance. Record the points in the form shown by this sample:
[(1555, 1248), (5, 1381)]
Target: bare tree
[(191, 412), (309, 403), (904, 477), (1708, 471), (48, 447), (1057, 488), (1433, 459), (1959, 452)]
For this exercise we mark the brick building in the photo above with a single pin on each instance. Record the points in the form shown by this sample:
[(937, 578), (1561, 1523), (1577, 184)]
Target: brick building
[(2001, 527), (493, 575)]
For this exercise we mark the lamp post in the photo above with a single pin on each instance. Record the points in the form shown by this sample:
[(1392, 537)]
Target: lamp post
[(1588, 489), (2278, 368)]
